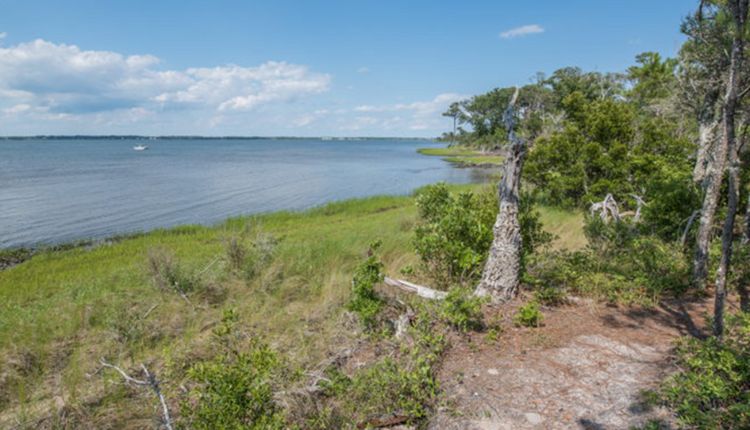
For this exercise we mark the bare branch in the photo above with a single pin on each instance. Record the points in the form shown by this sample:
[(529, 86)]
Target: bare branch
[(150, 381)]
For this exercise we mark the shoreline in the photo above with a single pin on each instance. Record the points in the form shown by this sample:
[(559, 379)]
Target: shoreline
[(463, 157)]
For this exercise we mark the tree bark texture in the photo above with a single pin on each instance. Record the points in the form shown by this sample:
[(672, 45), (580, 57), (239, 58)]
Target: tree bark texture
[(739, 12), (501, 272)]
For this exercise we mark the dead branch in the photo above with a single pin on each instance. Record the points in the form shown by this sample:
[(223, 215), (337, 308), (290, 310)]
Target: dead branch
[(148, 312), (151, 382), (421, 291), (607, 209), (641, 203), (384, 421)]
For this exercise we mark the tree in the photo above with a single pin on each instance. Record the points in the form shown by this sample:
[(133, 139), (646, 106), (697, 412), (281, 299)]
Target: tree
[(652, 79), (502, 270), (703, 65), (738, 10), (453, 112)]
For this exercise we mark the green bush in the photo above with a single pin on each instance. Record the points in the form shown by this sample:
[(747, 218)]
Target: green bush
[(712, 387), (529, 315), (455, 232), (364, 300), (234, 390), (620, 264), (461, 309)]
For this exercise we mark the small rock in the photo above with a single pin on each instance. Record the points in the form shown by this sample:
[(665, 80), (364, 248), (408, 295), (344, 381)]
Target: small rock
[(533, 418), (493, 372)]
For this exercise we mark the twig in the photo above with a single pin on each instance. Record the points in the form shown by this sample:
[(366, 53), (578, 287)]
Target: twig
[(150, 381), (209, 265), (148, 312)]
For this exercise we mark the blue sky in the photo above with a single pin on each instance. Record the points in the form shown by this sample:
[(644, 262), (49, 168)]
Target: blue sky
[(333, 68)]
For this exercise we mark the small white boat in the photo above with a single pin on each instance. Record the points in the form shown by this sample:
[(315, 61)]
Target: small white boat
[(140, 147)]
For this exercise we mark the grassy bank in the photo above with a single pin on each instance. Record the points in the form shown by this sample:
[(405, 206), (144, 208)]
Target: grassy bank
[(63, 310), (463, 157)]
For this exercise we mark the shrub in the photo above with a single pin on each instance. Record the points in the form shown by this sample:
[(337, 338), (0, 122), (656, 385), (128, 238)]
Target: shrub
[(712, 388), (549, 295), (620, 264), (528, 315), (403, 384), (248, 252), (234, 390), (167, 274), (461, 309), (454, 235), (364, 300)]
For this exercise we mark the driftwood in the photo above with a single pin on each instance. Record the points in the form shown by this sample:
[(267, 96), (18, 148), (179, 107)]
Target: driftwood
[(641, 203), (421, 291), (607, 209), (151, 382)]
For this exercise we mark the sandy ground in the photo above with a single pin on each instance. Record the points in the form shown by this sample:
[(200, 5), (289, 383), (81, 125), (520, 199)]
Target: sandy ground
[(584, 369)]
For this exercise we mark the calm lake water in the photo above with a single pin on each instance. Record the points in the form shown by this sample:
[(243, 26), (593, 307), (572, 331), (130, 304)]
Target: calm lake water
[(54, 191)]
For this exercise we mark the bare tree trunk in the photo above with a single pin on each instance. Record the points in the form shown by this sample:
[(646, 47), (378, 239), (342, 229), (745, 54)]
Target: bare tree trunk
[(706, 139), (739, 10), (501, 272), (712, 180)]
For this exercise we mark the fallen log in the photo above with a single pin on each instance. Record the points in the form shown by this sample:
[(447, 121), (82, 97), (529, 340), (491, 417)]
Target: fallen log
[(421, 291)]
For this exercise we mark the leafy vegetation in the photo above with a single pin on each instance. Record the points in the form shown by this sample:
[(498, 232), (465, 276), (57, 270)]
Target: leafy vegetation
[(234, 389), (712, 387), (455, 232), (364, 301), (529, 315)]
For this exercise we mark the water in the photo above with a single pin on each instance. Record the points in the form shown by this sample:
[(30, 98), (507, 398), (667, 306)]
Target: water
[(54, 191)]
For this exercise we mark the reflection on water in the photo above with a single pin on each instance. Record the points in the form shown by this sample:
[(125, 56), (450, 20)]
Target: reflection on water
[(61, 190)]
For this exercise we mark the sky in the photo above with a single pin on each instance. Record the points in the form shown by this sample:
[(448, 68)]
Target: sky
[(298, 68)]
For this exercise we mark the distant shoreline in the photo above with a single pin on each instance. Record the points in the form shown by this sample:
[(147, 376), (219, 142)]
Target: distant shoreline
[(140, 137)]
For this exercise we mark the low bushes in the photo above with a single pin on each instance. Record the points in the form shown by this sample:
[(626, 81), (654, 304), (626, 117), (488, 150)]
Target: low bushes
[(712, 387), (620, 264), (454, 234)]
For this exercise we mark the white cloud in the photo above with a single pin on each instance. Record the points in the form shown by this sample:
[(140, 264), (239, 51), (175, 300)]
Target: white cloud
[(521, 31), (65, 79), (363, 70), (3, 35), (421, 116)]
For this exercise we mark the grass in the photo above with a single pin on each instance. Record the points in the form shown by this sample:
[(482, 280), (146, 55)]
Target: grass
[(566, 225), (464, 157), (64, 309)]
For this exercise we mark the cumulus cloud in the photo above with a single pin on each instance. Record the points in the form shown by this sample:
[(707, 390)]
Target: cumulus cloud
[(521, 31), (415, 116), (66, 79)]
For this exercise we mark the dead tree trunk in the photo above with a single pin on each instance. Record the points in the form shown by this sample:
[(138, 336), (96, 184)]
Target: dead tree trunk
[(707, 126), (709, 172), (739, 12), (713, 176), (501, 272)]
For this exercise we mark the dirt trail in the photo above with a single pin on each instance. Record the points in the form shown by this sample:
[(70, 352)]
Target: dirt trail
[(584, 369)]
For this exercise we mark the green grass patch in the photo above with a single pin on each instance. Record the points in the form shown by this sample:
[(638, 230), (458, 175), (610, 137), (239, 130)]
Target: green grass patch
[(463, 157)]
